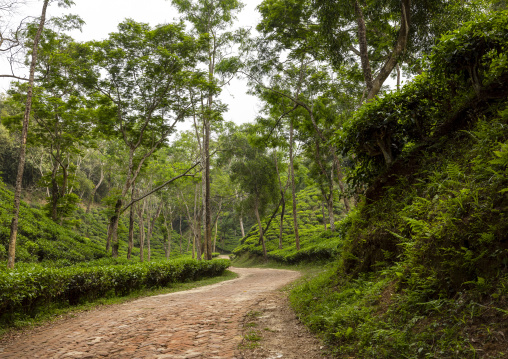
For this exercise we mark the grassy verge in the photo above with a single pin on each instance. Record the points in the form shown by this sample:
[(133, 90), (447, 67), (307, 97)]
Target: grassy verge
[(55, 312)]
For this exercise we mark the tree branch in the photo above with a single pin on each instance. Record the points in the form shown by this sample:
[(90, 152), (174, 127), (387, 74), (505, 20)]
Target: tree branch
[(159, 187)]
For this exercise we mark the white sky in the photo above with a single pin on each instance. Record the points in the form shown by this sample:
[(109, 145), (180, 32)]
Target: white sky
[(103, 16)]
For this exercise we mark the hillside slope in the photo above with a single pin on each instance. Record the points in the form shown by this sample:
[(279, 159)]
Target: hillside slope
[(42, 240), (422, 265)]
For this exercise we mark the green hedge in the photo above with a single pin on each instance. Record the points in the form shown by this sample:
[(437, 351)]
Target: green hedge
[(26, 290)]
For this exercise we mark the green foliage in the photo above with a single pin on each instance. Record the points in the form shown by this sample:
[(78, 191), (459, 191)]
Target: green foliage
[(423, 268), (40, 239), (27, 290), (371, 317), (467, 67), (315, 242)]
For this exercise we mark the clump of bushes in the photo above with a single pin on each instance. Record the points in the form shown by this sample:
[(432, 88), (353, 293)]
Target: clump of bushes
[(27, 289)]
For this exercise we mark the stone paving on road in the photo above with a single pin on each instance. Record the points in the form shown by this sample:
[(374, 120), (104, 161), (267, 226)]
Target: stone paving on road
[(199, 323)]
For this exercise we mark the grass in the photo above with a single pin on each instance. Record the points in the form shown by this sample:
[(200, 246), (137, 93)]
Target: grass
[(55, 313)]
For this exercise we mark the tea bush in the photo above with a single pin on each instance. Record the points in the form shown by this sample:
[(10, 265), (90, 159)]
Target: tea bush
[(29, 288)]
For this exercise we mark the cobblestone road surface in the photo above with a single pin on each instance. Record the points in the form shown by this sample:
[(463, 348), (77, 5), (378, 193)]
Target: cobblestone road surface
[(202, 323)]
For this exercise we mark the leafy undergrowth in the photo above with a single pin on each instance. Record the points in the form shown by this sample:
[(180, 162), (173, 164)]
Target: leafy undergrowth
[(26, 291), (57, 310), (374, 316), (40, 239), (423, 272)]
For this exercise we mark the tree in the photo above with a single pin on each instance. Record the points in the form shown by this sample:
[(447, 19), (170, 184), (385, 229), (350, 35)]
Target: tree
[(377, 34), (26, 119), (62, 117), (142, 75), (211, 18), (255, 172), (313, 99)]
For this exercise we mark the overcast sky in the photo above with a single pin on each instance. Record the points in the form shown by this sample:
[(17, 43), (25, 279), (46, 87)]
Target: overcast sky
[(102, 17)]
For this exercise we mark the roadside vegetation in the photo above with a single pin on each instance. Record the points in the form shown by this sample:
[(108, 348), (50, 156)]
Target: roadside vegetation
[(420, 266), (377, 164)]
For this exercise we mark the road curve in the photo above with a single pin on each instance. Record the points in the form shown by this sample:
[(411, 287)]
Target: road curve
[(200, 323)]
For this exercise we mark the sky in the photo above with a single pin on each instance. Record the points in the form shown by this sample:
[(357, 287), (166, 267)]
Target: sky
[(103, 16)]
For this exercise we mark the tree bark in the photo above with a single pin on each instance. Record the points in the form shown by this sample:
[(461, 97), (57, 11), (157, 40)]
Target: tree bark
[(282, 198), (293, 186), (330, 203), (24, 134), (131, 226), (241, 217), (261, 238), (281, 225), (340, 181), (215, 238), (141, 214), (54, 192), (241, 225), (207, 205), (400, 47), (364, 50), (151, 225), (197, 224), (330, 211), (95, 190), (323, 214)]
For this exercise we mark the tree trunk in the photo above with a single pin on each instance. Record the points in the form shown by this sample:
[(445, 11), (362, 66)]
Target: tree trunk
[(293, 186), (261, 238), (151, 225), (181, 239), (398, 76), (241, 225), (131, 233), (340, 181), (364, 50), (63, 190), (197, 225), (282, 199), (207, 205), (400, 47), (330, 205), (169, 229), (131, 226), (112, 241), (199, 244), (54, 193), (215, 238), (323, 213), (95, 190), (141, 215), (384, 142), (281, 226), (24, 134)]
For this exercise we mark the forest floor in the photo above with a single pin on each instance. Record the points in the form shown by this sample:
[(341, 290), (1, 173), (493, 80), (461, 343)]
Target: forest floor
[(247, 317)]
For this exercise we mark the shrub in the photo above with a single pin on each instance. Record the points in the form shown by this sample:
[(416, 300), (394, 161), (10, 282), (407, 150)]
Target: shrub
[(30, 287)]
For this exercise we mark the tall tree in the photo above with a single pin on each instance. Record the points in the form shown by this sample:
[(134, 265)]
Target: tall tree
[(255, 172), (142, 74), (26, 119), (213, 18), (377, 34)]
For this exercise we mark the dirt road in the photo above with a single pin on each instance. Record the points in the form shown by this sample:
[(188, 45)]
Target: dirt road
[(201, 323)]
